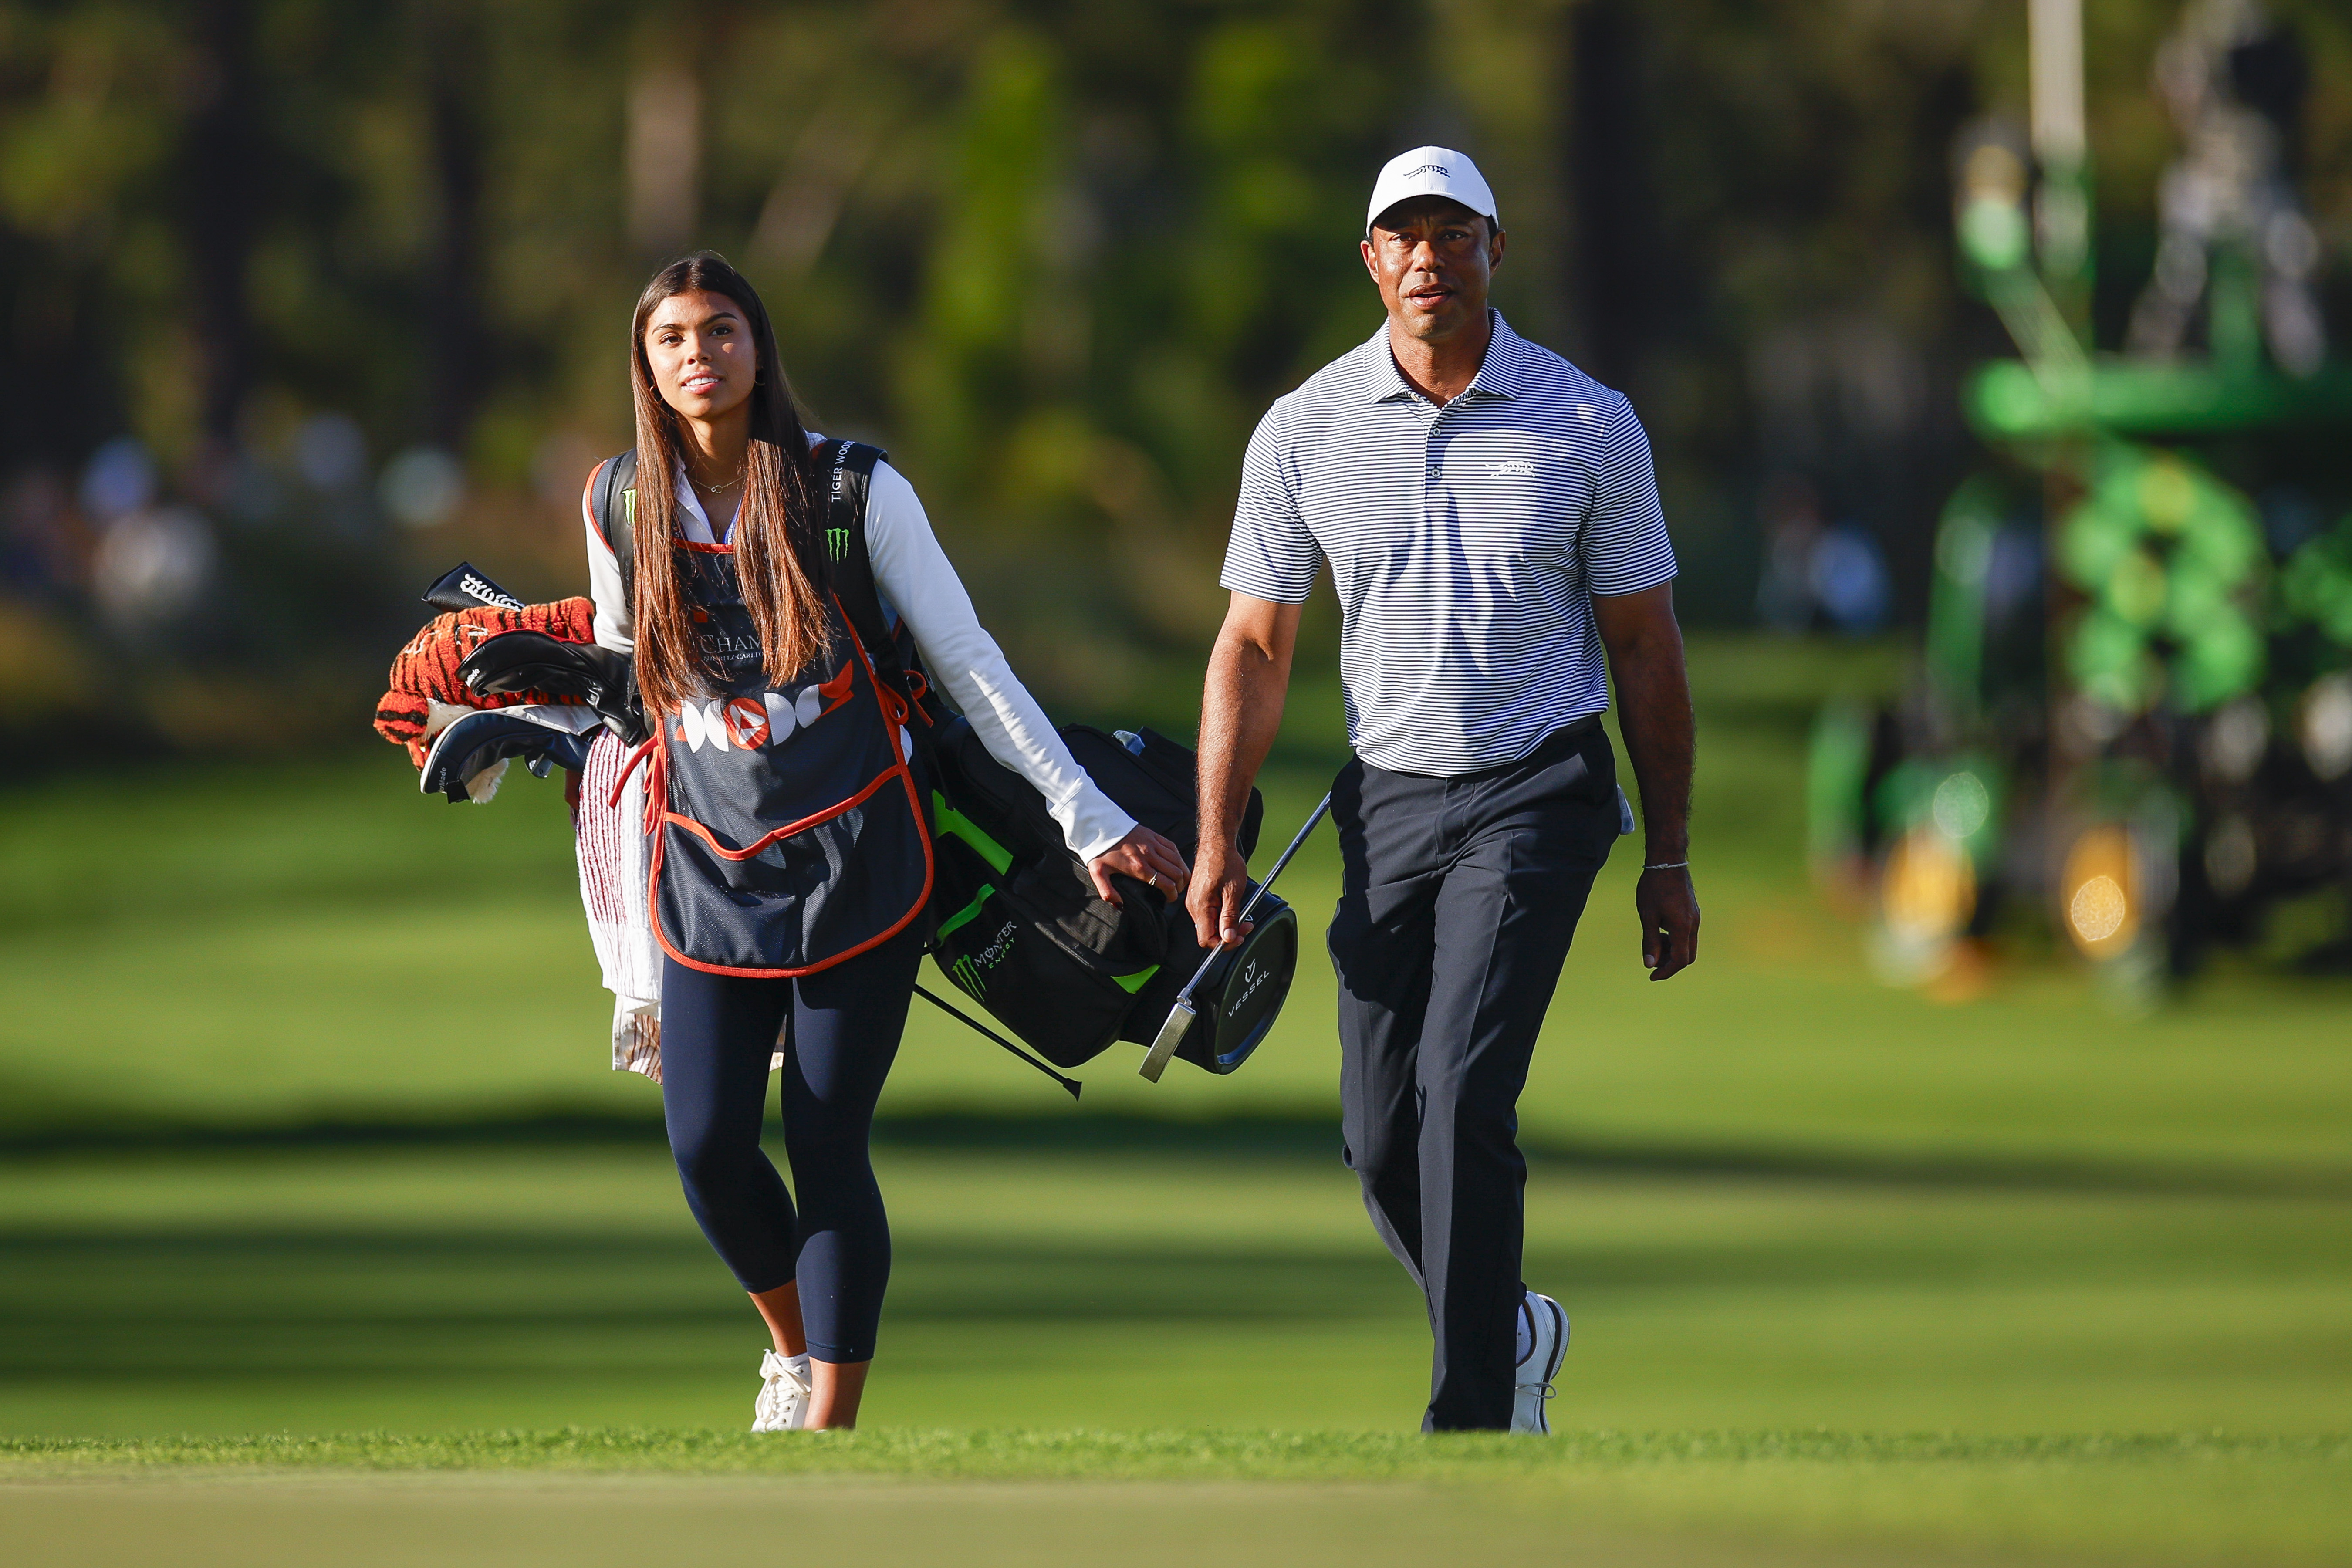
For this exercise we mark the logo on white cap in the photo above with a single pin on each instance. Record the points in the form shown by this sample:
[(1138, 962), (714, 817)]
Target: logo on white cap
[(1431, 171)]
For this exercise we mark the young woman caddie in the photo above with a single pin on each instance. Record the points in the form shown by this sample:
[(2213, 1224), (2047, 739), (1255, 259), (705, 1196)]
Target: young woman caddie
[(788, 854)]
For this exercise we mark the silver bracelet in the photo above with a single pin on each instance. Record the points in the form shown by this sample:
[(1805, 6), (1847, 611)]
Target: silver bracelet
[(1669, 865)]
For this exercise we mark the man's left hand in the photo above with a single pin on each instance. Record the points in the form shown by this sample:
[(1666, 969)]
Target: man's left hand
[(1668, 906)]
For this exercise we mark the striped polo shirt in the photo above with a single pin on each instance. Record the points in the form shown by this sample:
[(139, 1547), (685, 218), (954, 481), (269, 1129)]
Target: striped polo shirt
[(1466, 543)]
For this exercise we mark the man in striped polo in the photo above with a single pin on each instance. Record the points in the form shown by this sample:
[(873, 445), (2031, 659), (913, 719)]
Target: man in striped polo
[(1491, 518)]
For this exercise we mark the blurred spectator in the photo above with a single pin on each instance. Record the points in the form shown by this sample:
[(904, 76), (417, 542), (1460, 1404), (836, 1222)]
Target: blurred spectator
[(41, 550), (152, 566), (1792, 526), (1848, 577), (422, 487), (119, 480), (1814, 574), (2235, 84), (331, 451)]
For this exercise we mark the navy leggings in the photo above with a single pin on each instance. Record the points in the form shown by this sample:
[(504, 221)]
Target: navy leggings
[(840, 1033)]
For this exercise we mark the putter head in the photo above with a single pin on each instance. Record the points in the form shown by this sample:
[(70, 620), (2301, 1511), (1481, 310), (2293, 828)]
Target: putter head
[(1170, 1036)]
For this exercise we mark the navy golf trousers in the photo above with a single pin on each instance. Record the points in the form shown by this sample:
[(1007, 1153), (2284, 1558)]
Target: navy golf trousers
[(1458, 900), (840, 1033)]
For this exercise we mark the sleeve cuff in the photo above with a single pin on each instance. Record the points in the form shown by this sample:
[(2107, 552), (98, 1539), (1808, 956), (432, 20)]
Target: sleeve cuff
[(1092, 821)]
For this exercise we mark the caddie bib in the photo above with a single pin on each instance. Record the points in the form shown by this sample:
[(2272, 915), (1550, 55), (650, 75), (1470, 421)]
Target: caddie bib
[(787, 825)]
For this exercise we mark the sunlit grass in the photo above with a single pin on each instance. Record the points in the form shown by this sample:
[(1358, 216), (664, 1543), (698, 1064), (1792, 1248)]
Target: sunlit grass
[(1204, 1455), (1293, 1498)]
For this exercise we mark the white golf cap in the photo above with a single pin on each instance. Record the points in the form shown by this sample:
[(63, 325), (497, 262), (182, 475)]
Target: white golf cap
[(1431, 171)]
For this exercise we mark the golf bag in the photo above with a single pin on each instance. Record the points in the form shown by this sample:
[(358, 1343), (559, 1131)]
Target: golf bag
[(1022, 932)]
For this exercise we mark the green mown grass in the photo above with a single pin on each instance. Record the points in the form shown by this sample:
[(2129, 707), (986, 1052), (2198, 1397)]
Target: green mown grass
[(431, 1291), (243, 947), (1777, 1197), (1208, 1455), (1308, 1498)]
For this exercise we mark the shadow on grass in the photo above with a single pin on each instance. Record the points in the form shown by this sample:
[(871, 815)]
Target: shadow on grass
[(1279, 1135), (489, 1297)]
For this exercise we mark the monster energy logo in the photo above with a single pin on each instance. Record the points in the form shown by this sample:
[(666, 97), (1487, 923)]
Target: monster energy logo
[(836, 540), (966, 974), (965, 971)]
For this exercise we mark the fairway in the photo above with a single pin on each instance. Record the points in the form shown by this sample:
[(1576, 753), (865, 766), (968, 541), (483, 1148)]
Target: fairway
[(289, 1151), (291, 943), (1176, 1497), (437, 1291), (1186, 1302)]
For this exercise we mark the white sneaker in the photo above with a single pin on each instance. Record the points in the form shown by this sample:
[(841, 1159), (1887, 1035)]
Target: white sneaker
[(1545, 1328), (783, 1400)]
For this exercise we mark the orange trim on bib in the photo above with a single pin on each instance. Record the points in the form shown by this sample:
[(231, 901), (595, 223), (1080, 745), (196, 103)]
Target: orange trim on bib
[(657, 814), (752, 850)]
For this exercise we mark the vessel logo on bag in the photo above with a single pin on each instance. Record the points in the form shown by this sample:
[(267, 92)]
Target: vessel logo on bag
[(1251, 978)]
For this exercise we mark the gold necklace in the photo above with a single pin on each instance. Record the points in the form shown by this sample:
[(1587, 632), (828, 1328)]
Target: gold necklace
[(715, 489)]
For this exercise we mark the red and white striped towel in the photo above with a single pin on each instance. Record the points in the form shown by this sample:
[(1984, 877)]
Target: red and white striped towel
[(611, 845)]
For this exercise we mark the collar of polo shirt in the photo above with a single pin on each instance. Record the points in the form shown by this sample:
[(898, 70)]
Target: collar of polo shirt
[(1500, 376)]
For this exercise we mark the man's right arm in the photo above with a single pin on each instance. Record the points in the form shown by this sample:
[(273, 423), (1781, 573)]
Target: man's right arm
[(1241, 710)]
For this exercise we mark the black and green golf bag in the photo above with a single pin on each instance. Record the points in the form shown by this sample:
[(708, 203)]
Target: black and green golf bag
[(1022, 931)]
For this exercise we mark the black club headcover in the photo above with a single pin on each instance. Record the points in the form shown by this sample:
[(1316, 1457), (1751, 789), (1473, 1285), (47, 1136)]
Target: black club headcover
[(533, 661), (487, 737)]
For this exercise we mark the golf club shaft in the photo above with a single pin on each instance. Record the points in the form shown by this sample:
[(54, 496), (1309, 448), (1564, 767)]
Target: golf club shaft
[(1313, 817), (1297, 840)]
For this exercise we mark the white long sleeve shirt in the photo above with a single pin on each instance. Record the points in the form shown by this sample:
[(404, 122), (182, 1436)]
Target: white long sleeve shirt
[(914, 576)]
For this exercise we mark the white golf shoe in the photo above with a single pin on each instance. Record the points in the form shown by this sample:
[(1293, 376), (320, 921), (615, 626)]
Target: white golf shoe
[(783, 1400), (1543, 1334)]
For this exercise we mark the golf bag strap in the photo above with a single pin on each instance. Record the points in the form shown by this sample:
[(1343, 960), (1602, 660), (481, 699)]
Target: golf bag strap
[(849, 466), (613, 500), (848, 469)]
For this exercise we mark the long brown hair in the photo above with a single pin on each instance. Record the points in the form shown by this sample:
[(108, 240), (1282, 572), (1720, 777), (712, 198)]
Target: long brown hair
[(781, 571)]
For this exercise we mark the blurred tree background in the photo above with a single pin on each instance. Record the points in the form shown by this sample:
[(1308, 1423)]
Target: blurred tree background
[(301, 302)]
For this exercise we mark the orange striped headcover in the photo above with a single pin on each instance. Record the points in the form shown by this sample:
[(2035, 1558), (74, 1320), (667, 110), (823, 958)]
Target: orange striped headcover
[(426, 669)]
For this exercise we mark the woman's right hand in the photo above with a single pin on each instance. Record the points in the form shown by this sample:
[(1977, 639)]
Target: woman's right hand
[(1144, 855)]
